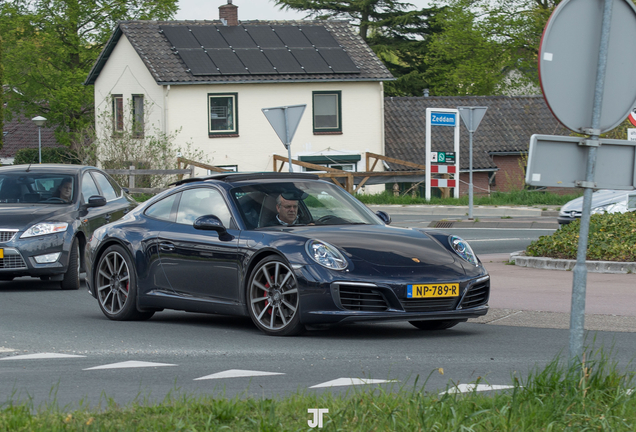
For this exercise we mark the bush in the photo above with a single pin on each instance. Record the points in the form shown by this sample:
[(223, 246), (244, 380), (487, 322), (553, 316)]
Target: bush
[(61, 155), (612, 237)]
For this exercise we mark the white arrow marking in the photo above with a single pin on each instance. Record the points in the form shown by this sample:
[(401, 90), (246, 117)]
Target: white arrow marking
[(469, 388), (40, 356), (351, 381), (237, 373), (130, 364)]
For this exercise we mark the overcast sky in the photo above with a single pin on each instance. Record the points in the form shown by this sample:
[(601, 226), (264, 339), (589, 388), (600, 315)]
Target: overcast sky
[(247, 10)]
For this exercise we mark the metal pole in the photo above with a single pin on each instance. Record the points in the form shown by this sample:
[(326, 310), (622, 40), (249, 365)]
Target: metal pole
[(470, 171), (579, 282), (288, 141), (40, 143)]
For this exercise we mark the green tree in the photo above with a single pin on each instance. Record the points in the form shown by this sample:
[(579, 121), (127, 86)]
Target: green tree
[(50, 47), (486, 47)]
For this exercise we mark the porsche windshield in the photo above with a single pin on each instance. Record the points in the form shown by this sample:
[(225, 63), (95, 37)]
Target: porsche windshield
[(299, 203), (38, 188)]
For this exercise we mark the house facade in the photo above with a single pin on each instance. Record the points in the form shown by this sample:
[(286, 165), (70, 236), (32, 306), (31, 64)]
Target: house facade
[(210, 80)]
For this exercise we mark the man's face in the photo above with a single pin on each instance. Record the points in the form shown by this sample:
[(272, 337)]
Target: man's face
[(287, 210), (65, 191)]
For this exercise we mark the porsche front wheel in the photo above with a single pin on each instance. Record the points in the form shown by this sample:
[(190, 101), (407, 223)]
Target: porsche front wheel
[(116, 286), (273, 300)]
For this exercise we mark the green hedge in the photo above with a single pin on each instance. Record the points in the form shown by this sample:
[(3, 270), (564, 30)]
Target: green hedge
[(49, 155), (612, 237)]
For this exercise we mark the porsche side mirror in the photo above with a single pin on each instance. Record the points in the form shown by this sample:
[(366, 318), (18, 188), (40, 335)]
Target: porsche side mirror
[(211, 223), (96, 201), (384, 216)]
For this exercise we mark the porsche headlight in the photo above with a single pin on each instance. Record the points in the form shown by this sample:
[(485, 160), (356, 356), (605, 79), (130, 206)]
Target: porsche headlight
[(326, 255), (45, 228), (463, 249)]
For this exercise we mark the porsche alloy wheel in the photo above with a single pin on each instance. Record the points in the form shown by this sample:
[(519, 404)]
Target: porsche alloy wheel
[(273, 298), (116, 286)]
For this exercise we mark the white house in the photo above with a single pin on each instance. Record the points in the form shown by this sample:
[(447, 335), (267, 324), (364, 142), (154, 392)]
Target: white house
[(213, 78)]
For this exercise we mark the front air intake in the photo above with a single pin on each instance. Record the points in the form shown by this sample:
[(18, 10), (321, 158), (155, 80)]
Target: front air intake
[(356, 298)]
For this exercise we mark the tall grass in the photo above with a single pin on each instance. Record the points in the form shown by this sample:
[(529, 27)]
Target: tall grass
[(520, 197), (591, 396)]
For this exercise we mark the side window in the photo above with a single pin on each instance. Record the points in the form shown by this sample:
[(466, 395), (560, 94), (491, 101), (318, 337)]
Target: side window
[(326, 111), (202, 201), (107, 189), (116, 187), (118, 114), (88, 187), (138, 116), (164, 209), (222, 114)]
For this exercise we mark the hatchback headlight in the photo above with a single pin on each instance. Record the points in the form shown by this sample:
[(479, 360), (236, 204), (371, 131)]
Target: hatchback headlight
[(463, 249), (619, 207), (45, 228), (326, 255)]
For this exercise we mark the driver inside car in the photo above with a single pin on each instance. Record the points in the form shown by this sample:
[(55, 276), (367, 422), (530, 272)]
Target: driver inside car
[(64, 190)]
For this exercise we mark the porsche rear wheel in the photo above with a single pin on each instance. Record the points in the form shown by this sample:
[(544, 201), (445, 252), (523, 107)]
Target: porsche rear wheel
[(116, 286), (273, 300), (435, 325)]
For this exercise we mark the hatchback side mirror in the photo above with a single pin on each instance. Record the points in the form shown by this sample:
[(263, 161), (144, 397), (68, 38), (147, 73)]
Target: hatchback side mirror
[(384, 216), (96, 201)]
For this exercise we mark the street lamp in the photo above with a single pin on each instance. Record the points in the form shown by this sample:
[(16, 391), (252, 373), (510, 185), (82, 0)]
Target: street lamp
[(39, 121)]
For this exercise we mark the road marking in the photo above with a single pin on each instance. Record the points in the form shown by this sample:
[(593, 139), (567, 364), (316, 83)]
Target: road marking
[(351, 381), (469, 388), (40, 356), (130, 364), (3, 349), (237, 373)]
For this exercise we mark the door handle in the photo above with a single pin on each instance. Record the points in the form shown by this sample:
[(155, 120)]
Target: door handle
[(166, 247)]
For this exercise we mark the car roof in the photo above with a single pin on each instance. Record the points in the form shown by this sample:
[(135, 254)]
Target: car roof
[(48, 168), (235, 177)]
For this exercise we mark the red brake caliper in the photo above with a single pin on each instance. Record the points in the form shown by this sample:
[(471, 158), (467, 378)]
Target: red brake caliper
[(266, 302)]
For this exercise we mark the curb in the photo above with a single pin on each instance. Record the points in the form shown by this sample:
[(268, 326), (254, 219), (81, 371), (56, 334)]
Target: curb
[(566, 264), (491, 224), (478, 211)]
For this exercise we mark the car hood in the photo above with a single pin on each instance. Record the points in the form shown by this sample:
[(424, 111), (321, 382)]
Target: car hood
[(22, 216), (382, 245), (599, 199)]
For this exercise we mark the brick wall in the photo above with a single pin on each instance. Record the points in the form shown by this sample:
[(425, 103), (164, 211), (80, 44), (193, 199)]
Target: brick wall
[(480, 183), (511, 174)]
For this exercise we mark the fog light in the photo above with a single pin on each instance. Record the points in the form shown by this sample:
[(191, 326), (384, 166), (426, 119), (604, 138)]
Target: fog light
[(48, 258)]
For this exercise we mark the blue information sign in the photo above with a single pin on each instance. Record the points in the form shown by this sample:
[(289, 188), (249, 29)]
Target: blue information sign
[(443, 119)]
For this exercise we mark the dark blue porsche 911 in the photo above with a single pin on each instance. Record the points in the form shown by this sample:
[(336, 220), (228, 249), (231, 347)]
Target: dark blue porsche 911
[(289, 250)]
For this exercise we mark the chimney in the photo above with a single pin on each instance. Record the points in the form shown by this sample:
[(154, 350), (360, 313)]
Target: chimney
[(228, 13)]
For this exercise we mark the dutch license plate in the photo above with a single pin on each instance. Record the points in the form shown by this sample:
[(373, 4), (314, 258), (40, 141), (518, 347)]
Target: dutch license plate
[(1, 253), (432, 290)]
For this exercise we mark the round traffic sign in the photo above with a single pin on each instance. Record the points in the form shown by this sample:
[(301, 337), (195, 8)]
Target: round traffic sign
[(568, 59), (632, 117)]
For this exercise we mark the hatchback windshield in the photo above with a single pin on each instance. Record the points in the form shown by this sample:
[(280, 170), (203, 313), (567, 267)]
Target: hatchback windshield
[(299, 203), (40, 188)]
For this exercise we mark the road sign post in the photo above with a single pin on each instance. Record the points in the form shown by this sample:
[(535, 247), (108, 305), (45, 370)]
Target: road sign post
[(471, 116), (441, 117), (563, 56), (285, 121)]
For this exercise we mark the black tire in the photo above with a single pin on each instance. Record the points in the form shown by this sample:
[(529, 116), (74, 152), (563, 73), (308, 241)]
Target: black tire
[(273, 298), (435, 325), (71, 279), (116, 286)]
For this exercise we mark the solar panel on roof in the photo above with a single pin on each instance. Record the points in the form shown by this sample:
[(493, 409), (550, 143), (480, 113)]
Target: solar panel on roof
[(264, 36), (198, 61), (227, 61), (283, 61), (339, 60), (311, 60), (180, 37), (237, 37), (208, 37), (255, 61), (292, 36), (319, 36)]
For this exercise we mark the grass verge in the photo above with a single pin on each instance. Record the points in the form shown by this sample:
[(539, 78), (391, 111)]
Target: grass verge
[(521, 197), (591, 396)]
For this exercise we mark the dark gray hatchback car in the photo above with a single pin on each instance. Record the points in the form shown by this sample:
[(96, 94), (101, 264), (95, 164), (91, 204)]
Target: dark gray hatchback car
[(47, 214)]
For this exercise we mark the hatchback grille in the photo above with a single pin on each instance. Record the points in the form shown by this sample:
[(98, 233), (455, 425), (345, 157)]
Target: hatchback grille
[(477, 295), (12, 262), (362, 299), (6, 236), (429, 304)]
